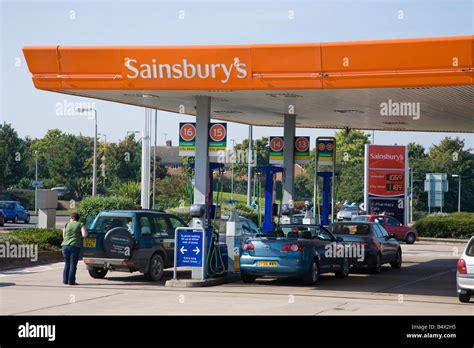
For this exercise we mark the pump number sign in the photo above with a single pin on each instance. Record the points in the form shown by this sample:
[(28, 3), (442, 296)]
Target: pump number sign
[(276, 150), (187, 138)]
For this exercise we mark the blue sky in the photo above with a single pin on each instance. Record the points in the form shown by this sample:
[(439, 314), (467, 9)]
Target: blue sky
[(32, 112)]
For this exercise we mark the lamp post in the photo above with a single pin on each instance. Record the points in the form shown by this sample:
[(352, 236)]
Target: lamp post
[(103, 156), (459, 190), (36, 181), (94, 169), (132, 132), (232, 169)]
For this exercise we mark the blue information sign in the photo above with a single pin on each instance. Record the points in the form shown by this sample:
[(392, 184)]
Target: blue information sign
[(189, 248)]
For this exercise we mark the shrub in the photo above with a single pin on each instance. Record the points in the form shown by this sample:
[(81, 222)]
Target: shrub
[(130, 189), (455, 225), (46, 239), (90, 206)]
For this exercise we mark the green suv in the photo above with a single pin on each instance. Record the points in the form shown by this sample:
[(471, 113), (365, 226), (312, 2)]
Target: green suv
[(130, 241)]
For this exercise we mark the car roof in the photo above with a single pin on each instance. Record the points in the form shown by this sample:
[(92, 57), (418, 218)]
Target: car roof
[(133, 211), (353, 222)]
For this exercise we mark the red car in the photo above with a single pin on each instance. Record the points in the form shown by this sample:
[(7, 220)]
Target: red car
[(393, 226)]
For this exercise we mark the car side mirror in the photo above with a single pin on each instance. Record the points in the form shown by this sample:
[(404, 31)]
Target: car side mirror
[(391, 236)]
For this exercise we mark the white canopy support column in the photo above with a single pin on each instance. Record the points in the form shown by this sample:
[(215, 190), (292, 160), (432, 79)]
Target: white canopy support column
[(145, 167), (289, 125), (201, 165)]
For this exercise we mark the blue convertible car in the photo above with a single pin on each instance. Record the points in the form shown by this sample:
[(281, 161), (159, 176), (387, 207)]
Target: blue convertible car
[(303, 251)]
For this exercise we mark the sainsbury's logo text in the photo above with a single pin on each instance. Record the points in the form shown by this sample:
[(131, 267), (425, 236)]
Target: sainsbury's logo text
[(185, 69)]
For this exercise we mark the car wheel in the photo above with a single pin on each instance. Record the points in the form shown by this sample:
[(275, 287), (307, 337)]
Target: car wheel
[(27, 220), (464, 298), (410, 238), (15, 219), (247, 278), (377, 266), (97, 273), (397, 263), (312, 276), (156, 268), (344, 271)]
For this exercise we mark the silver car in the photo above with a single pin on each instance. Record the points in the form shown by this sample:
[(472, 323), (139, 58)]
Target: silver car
[(465, 273)]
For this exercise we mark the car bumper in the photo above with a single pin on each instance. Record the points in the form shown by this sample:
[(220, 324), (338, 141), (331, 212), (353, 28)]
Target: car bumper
[(114, 264), (465, 282), (285, 268)]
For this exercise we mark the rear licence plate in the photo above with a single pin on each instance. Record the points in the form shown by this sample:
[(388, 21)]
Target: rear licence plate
[(90, 242), (267, 264)]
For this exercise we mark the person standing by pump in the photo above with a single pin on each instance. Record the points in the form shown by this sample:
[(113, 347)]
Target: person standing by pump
[(71, 247)]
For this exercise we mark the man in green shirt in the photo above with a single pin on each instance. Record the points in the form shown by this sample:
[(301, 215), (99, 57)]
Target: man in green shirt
[(71, 247)]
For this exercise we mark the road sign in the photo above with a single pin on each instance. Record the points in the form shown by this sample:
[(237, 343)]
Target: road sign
[(189, 248), (302, 150), (436, 184), (37, 184)]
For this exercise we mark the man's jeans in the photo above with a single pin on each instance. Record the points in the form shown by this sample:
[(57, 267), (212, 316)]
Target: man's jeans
[(71, 257)]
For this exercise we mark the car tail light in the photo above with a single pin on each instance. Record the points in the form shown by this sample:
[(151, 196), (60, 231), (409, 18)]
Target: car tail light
[(249, 246), (462, 266), (292, 247)]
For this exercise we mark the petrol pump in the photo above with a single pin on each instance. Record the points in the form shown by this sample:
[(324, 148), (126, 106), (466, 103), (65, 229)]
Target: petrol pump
[(217, 254), (271, 208)]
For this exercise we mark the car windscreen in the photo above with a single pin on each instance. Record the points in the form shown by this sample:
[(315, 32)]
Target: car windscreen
[(352, 229), (104, 223), (305, 232), (361, 218), (7, 206), (470, 248)]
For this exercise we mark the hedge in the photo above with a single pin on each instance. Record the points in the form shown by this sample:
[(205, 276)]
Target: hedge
[(455, 225), (46, 239), (242, 209), (91, 206)]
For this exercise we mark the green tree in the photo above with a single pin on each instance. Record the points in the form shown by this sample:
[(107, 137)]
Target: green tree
[(13, 157), (260, 147)]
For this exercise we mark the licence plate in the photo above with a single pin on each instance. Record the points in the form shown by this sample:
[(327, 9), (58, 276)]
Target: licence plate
[(267, 263), (90, 242)]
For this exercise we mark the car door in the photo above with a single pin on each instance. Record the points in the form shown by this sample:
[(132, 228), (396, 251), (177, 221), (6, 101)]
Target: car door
[(393, 226), (381, 241), (391, 245), (323, 240), (163, 236)]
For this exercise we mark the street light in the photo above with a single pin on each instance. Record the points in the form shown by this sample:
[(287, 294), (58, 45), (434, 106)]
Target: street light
[(36, 181), (232, 169), (94, 168), (103, 157), (132, 132), (459, 190)]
